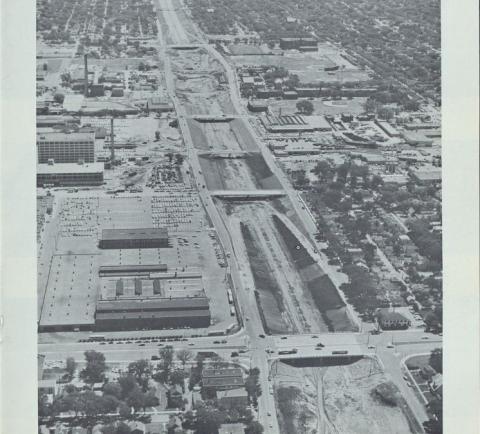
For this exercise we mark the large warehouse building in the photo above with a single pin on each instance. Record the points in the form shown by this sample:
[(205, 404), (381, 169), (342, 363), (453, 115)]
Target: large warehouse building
[(65, 147), (69, 174), (153, 313), (134, 238)]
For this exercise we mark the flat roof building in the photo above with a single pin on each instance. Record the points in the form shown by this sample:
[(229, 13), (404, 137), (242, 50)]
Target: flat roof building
[(128, 270), (152, 313), (69, 174), (222, 378), (141, 238), (65, 147), (389, 319)]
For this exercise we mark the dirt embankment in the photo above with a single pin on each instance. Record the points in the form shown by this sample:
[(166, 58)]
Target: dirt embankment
[(323, 291)]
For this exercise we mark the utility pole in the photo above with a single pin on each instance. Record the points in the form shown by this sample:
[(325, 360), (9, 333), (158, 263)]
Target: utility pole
[(112, 143)]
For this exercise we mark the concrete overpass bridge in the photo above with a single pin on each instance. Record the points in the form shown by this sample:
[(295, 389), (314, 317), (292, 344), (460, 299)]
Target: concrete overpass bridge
[(247, 194), (217, 118), (224, 154)]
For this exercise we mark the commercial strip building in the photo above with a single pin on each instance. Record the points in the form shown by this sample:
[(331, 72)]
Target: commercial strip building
[(222, 378), (389, 319), (64, 147), (69, 174), (152, 313), (134, 238)]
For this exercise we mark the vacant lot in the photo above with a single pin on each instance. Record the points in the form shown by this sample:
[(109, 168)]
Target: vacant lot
[(310, 68), (347, 398), (221, 136)]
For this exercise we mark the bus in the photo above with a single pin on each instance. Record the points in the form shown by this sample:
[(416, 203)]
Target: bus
[(292, 351), (97, 338), (340, 352)]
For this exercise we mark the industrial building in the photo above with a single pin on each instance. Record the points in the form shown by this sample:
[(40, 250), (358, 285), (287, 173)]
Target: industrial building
[(69, 175), (294, 123), (152, 313), (303, 44), (65, 147), (131, 270), (48, 121), (142, 238)]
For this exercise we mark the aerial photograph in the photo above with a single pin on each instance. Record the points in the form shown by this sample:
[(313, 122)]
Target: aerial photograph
[(239, 216)]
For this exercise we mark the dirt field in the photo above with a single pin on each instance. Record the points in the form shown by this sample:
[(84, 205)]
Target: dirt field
[(338, 399), (200, 83), (221, 136), (248, 173)]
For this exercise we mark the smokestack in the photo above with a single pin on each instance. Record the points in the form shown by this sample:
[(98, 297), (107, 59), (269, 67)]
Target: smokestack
[(112, 143), (85, 87)]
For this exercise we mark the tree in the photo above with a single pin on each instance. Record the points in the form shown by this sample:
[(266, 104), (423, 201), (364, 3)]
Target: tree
[(113, 389), (208, 420), (118, 428), (127, 383), (323, 170), (124, 410), (184, 356), (59, 98), (436, 360), (141, 371), (305, 106), (166, 358), (254, 427), (252, 385), (177, 377), (136, 399), (179, 159), (70, 366), (94, 372), (45, 409)]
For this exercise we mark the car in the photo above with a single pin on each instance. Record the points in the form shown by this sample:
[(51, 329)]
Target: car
[(269, 414), (103, 343), (283, 337), (141, 345), (160, 345), (216, 342), (261, 336), (223, 342), (390, 346), (314, 337), (155, 358), (318, 348), (234, 354), (371, 347), (320, 345), (242, 351), (425, 337), (191, 344), (405, 378)]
